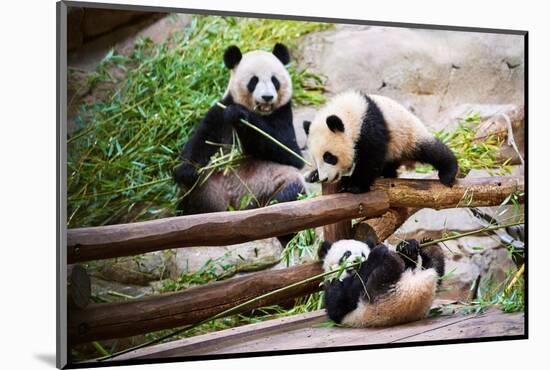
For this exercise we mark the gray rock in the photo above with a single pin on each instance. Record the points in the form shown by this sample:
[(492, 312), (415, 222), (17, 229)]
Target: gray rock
[(136, 270), (431, 72), (250, 256)]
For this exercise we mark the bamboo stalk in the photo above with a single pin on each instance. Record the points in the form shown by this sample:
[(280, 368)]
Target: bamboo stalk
[(283, 146), (488, 228)]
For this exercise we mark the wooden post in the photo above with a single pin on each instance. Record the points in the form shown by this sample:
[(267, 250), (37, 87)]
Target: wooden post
[(339, 230), (78, 287)]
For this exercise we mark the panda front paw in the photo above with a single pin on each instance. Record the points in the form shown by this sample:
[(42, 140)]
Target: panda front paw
[(234, 113), (348, 186), (312, 177), (447, 178), (186, 174), (408, 250)]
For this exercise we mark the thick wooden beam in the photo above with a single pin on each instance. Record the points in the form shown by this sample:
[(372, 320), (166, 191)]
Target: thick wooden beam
[(339, 230), (123, 319), (427, 193), (221, 228)]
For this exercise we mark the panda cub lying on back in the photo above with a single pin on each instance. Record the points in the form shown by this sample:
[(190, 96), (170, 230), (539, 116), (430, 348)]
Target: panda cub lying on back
[(387, 288), (357, 138)]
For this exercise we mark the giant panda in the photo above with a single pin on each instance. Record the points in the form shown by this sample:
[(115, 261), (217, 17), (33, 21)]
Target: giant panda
[(387, 288), (260, 91), (357, 138)]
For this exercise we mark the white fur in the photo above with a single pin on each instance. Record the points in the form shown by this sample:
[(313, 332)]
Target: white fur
[(263, 65), (409, 300), (337, 250), (350, 107), (406, 132)]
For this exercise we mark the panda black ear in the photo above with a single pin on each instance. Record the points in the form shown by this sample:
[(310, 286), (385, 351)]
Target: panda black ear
[(323, 249), (306, 126), (335, 124), (371, 242), (232, 56), (281, 52)]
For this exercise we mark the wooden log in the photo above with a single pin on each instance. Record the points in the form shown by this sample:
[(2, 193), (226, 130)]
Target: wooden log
[(380, 228), (220, 228), (123, 319), (79, 287), (338, 230), (489, 191), (427, 193)]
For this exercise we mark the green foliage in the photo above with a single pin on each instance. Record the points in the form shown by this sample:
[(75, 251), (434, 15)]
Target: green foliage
[(471, 153), (507, 298), (120, 161), (214, 269)]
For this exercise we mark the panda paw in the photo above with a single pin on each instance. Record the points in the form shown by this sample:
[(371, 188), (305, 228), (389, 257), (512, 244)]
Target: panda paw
[(408, 250), (447, 179), (348, 186), (312, 177), (186, 174), (234, 113)]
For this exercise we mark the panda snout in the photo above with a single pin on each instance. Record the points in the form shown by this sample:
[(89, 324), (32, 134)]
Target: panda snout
[(267, 98)]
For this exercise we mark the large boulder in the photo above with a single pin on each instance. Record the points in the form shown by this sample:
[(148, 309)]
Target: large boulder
[(432, 72)]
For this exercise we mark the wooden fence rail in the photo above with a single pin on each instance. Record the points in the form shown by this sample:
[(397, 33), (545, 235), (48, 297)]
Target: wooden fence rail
[(225, 228), (123, 319), (220, 228)]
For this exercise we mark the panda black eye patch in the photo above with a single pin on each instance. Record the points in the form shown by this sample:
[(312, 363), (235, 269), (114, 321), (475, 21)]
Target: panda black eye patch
[(252, 83), (276, 83), (329, 158), (345, 256)]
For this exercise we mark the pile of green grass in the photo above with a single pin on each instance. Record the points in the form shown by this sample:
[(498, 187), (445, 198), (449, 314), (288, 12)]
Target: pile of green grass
[(120, 161), (472, 153)]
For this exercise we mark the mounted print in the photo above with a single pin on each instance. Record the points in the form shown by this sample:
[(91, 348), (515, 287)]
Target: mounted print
[(237, 184)]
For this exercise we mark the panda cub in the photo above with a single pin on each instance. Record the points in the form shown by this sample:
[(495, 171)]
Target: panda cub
[(259, 91), (357, 138), (387, 288)]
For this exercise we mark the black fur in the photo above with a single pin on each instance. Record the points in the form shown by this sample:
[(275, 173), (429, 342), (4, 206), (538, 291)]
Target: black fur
[(232, 56), (370, 151), (390, 170), (288, 193), (323, 249), (277, 124), (281, 52), (276, 83), (217, 126), (440, 156), (335, 124), (408, 251), (252, 83), (381, 270), (306, 125), (377, 275)]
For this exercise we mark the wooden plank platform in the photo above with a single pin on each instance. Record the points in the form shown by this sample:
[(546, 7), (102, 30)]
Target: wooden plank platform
[(307, 331)]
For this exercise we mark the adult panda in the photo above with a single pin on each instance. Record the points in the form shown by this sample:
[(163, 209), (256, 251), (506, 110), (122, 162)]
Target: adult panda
[(387, 288), (259, 91), (357, 138)]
